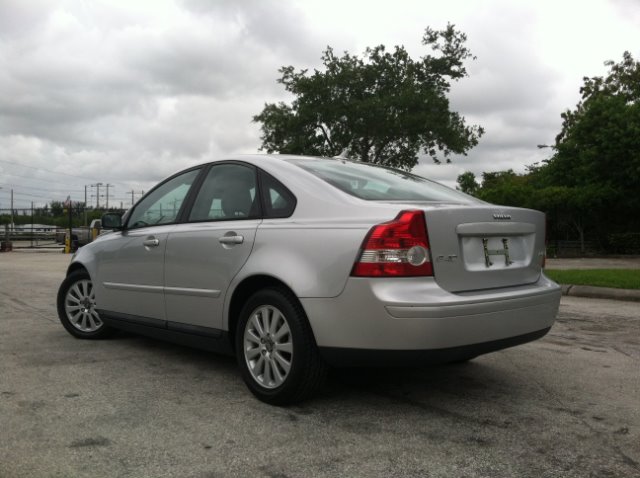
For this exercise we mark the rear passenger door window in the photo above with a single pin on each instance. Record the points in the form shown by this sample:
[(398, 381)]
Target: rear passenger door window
[(227, 193), (277, 200)]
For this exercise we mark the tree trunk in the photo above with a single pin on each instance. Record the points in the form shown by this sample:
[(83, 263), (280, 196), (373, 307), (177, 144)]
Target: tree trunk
[(365, 147), (580, 228), (326, 136)]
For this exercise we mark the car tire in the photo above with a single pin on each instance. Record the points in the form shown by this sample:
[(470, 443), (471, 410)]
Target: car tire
[(462, 360), (275, 348), (76, 308)]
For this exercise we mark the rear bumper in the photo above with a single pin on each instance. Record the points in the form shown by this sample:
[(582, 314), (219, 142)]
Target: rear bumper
[(337, 356), (415, 315)]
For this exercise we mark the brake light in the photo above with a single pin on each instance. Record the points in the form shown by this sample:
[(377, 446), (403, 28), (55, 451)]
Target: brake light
[(398, 248)]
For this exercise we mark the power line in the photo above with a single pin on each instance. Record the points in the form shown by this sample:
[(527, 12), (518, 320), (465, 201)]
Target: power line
[(30, 195), (61, 194), (47, 170), (55, 193), (38, 168), (30, 178), (61, 190)]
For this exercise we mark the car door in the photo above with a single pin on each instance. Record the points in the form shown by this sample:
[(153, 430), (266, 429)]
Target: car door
[(207, 251), (131, 264)]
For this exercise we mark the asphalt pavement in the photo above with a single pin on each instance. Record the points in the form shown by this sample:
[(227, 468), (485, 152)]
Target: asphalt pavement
[(565, 405)]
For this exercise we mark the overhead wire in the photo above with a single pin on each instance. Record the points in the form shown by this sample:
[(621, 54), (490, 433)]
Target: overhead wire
[(38, 168), (61, 190), (47, 170)]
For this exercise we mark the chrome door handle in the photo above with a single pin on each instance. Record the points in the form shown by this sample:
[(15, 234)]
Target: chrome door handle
[(231, 239), (151, 242)]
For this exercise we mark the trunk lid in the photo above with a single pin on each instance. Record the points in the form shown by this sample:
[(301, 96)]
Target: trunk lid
[(484, 247)]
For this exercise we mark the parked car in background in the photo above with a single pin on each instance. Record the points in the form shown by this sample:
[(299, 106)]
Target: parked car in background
[(80, 236), (295, 264), (60, 235)]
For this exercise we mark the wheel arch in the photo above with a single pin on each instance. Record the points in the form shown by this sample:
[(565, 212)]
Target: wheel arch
[(76, 266), (247, 287)]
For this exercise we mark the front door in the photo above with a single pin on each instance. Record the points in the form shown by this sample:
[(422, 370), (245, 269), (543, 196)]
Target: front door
[(130, 279)]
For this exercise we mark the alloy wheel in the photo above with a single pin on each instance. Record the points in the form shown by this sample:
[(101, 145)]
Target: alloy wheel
[(268, 347), (79, 305)]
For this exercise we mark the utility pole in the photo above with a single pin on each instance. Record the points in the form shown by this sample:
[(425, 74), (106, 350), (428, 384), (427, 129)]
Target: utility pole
[(85, 205), (32, 224), (133, 200), (97, 186), (107, 186), (11, 224)]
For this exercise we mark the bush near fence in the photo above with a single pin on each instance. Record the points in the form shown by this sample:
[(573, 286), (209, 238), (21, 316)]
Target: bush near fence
[(624, 243)]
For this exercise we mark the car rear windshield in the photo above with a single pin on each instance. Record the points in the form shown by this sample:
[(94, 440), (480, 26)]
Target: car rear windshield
[(377, 183)]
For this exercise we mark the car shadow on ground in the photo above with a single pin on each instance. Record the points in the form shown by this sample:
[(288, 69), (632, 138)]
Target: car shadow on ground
[(464, 380), (468, 380)]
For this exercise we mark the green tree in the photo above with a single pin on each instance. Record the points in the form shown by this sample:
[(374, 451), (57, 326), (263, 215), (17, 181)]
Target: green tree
[(382, 108), (598, 149), (57, 208), (506, 187), (467, 183)]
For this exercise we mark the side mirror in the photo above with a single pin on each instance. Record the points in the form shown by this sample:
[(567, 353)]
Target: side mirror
[(111, 220)]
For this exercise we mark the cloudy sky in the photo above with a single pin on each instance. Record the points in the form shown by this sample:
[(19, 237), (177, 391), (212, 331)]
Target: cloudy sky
[(128, 92)]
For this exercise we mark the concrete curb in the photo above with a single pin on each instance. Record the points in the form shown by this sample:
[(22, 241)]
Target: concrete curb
[(601, 292)]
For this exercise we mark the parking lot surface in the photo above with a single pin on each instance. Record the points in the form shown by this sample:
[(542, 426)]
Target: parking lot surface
[(567, 405)]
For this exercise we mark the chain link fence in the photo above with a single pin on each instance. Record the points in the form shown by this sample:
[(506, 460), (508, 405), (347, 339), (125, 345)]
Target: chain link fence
[(46, 228)]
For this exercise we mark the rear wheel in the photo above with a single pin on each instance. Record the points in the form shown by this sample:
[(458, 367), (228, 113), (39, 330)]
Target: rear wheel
[(462, 360), (276, 350), (76, 307)]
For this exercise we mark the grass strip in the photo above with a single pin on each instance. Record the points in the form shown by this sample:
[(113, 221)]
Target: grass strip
[(616, 278)]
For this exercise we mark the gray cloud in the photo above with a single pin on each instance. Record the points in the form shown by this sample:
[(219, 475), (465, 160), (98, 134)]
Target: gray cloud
[(129, 93), (510, 92)]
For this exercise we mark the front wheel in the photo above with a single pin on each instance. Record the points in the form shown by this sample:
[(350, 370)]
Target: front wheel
[(76, 307), (276, 350)]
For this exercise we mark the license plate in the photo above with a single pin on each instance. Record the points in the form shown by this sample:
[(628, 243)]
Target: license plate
[(496, 252)]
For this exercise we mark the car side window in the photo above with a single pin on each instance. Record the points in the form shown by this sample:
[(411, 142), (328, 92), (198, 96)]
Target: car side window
[(163, 204), (227, 193), (277, 199)]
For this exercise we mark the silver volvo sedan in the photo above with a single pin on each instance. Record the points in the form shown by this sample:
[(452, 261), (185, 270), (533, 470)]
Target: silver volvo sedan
[(295, 264)]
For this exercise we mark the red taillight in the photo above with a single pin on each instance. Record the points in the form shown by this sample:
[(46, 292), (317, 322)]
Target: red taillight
[(398, 248)]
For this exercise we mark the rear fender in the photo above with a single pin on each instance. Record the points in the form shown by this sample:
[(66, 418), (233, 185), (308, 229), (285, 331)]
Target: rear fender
[(312, 262)]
